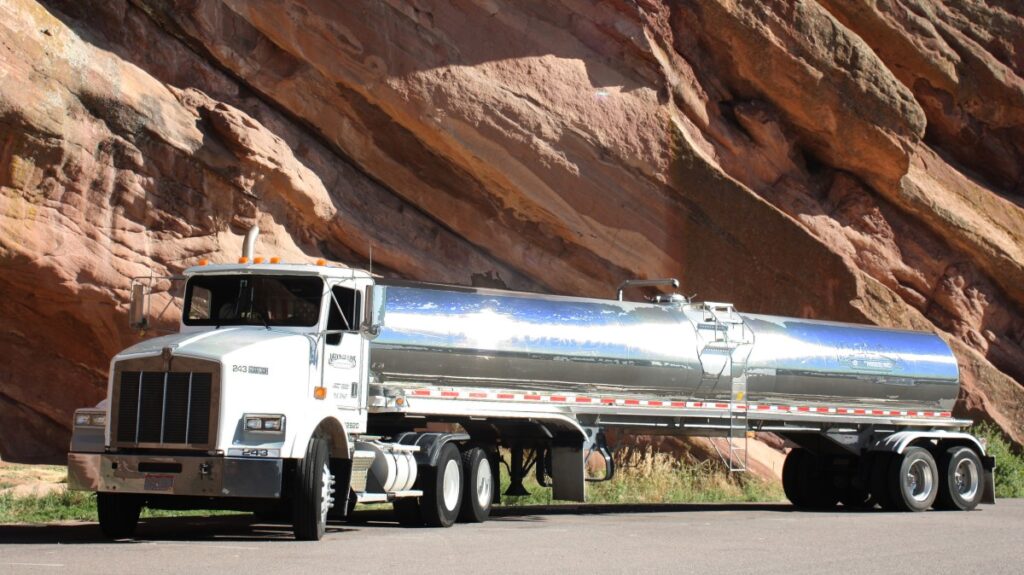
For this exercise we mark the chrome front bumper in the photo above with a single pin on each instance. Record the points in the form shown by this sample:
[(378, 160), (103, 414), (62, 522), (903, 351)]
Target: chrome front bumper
[(203, 476)]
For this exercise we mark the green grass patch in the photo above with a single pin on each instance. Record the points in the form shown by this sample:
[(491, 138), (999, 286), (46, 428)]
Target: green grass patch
[(72, 505), (647, 476), (1009, 472)]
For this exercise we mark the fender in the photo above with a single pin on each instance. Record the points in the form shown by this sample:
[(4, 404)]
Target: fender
[(329, 427), (899, 441), (430, 444)]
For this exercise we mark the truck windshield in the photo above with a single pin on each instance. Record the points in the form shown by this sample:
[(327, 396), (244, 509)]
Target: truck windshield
[(270, 300)]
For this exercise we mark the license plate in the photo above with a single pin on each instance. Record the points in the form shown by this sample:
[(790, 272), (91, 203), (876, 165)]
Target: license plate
[(159, 482)]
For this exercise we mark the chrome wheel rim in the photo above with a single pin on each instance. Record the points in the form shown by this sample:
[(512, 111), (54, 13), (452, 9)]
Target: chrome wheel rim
[(965, 479), (484, 484), (450, 485), (326, 493), (919, 480)]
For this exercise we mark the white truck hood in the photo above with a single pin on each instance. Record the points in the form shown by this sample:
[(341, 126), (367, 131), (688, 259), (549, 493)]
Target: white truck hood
[(215, 344)]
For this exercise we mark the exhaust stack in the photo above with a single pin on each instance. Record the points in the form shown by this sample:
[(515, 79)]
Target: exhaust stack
[(249, 246)]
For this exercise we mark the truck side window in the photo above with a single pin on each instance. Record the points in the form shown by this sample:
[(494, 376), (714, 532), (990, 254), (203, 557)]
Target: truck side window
[(348, 318)]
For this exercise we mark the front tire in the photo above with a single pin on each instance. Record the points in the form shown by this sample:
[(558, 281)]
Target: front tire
[(118, 514), (312, 493), (442, 489), (478, 493), (914, 480), (960, 479)]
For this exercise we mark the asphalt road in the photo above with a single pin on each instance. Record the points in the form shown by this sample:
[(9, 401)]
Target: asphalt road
[(762, 539)]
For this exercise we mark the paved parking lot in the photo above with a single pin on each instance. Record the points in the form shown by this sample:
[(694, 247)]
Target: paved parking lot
[(763, 539)]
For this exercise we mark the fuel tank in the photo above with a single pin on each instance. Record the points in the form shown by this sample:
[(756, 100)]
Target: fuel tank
[(474, 337)]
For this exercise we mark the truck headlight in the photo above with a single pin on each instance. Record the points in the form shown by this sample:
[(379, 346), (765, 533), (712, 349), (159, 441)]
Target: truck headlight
[(90, 418), (260, 422)]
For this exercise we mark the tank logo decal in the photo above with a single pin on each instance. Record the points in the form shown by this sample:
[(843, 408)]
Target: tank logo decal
[(677, 404)]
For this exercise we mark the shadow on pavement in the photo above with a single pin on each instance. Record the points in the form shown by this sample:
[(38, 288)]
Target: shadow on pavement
[(244, 527), (222, 528)]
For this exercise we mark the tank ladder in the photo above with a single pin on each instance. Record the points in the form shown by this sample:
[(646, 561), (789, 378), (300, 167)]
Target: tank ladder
[(726, 342)]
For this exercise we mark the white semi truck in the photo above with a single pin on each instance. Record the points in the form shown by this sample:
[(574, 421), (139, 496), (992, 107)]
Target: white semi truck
[(299, 390)]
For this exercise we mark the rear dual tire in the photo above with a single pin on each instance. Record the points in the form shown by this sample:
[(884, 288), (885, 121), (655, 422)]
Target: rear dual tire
[(807, 481), (960, 479), (459, 488)]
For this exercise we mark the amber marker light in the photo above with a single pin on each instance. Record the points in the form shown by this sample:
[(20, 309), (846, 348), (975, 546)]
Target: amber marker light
[(257, 260), (203, 262), (321, 262), (320, 392), (243, 260), (275, 260)]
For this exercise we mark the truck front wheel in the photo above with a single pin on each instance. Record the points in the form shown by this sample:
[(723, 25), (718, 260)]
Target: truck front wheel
[(118, 513), (312, 494), (442, 489)]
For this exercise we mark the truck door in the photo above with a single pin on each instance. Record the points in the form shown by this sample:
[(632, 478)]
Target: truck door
[(343, 348)]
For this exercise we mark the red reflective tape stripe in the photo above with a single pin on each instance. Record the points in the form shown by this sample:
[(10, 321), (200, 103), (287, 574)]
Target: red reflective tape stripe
[(654, 403), (877, 412), (895, 413), (678, 404), (477, 395), (721, 405), (607, 400), (698, 404), (859, 412), (946, 414), (841, 410), (557, 398), (803, 408), (822, 410), (506, 396), (421, 392), (449, 394), (763, 407), (583, 400), (531, 397), (912, 413), (632, 402)]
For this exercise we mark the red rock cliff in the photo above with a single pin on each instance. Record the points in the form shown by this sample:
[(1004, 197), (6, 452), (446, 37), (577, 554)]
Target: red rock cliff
[(835, 159)]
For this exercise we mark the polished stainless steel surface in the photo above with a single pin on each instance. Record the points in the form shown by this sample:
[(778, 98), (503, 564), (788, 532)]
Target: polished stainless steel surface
[(442, 335)]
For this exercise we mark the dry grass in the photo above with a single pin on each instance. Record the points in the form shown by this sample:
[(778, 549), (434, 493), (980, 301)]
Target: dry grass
[(649, 476)]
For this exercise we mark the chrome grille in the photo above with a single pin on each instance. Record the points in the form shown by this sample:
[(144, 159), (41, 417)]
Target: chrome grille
[(164, 407)]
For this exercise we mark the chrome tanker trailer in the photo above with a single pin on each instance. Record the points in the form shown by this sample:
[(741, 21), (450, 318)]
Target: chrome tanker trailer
[(297, 390)]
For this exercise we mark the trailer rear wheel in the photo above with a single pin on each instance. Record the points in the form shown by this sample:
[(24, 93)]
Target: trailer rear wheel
[(879, 475), (791, 478), (807, 481), (442, 489), (312, 493), (118, 514), (914, 479), (478, 493), (960, 483)]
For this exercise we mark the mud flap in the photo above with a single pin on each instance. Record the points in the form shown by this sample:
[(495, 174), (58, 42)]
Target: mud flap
[(568, 478), (988, 464)]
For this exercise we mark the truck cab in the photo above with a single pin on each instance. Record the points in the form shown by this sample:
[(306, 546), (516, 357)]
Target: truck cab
[(268, 364)]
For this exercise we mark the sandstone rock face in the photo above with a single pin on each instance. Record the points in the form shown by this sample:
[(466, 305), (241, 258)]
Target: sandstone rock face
[(835, 159)]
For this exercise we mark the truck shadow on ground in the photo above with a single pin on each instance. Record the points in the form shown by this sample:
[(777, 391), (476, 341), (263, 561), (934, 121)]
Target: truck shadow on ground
[(245, 527)]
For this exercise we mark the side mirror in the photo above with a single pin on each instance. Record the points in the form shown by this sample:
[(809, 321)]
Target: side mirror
[(138, 309)]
